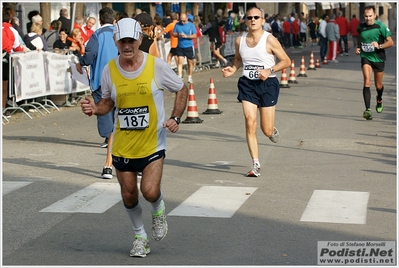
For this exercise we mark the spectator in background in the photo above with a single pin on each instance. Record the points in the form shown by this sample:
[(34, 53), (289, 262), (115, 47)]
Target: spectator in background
[(39, 20), (303, 28), (266, 26), (121, 15), (219, 14), (276, 28), (323, 36), (198, 57), (237, 21), (66, 23), (343, 33), (78, 46), (185, 32), (212, 30), (312, 31), (62, 44), (286, 32), (9, 44), (100, 49), (158, 32), (15, 21), (332, 31), (228, 26), (173, 40), (138, 11), (353, 24), (34, 39), (149, 41), (166, 20), (30, 16), (53, 34), (78, 23), (295, 31), (87, 30)]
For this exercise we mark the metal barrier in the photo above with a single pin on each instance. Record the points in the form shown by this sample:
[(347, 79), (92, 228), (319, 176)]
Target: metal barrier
[(37, 75), (229, 47)]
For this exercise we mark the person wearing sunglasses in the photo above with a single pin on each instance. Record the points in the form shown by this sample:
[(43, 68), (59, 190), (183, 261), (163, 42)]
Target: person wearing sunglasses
[(258, 87)]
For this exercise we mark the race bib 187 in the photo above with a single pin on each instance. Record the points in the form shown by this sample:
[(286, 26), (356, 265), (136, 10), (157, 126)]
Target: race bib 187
[(134, 118)]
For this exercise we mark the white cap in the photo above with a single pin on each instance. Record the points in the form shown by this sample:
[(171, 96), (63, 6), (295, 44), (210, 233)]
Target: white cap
[(127, 28)]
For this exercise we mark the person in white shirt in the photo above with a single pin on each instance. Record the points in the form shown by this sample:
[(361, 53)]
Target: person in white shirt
[(323, 36), (258, 88)]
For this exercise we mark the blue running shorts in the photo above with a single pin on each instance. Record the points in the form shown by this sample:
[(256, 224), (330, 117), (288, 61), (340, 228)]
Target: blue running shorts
[(259, 92)]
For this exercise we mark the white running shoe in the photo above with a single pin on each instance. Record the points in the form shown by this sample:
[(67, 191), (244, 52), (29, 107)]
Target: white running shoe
[(275, 136), (140, 248), (190, 79), (255, 171), (159, 225)]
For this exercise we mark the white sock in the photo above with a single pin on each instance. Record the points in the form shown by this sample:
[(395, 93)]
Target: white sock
[(157, 205), (136, 217)]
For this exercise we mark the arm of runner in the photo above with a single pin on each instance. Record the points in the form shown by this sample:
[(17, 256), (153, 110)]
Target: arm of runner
[(178, 109), (276, 49)]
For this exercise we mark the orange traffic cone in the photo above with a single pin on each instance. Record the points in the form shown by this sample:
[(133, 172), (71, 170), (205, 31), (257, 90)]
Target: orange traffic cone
[(311, 63), (212, 100), (192, 109), (302, 69), (325, 60), (284, 79), (318, 63), (292, 78)]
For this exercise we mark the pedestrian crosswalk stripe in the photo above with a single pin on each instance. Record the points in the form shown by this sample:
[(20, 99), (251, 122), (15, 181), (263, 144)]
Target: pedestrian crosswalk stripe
[(9, 186), (95, 198), (337, 207), (214, 201)]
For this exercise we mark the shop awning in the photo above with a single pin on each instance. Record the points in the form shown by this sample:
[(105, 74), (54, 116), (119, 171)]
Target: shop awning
[(388, 5), (325, 5), (311, 5)]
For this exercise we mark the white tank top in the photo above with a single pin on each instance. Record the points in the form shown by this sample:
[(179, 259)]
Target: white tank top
[(255, 57)]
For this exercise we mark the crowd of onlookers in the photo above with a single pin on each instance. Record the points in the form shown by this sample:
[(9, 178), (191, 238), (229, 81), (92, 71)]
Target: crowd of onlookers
[(294, 30), (66, 36)]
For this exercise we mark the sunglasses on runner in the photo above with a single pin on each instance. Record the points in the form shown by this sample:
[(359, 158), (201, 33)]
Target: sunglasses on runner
[(253, 17)]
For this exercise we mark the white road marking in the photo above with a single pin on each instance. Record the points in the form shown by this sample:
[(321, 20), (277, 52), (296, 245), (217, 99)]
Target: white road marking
[(337, 207), (9, 186), (214, 201), (95, 198)]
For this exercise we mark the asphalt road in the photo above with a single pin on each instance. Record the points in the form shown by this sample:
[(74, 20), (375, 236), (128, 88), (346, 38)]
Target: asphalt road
[(325, 147)]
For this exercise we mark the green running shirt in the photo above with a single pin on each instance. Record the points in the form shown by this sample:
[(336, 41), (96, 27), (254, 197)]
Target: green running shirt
[(377, 32)]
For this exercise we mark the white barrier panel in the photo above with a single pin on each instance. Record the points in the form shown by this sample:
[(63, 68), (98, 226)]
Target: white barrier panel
[(29, 75), (39, 74), (60, 81), (229, 46)]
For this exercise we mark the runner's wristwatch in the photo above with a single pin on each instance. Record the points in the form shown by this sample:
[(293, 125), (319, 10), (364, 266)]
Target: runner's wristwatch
[(272, 70), (380, 46), (177, 119)]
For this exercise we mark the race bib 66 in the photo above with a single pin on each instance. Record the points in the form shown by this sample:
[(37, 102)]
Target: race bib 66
[(250, 71)]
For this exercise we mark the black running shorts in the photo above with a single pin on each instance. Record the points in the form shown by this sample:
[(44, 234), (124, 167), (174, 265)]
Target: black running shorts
[(135, 165), (376, 66), (259, 92)]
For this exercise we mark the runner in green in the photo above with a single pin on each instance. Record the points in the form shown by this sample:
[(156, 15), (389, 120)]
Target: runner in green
[(374, 37)]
